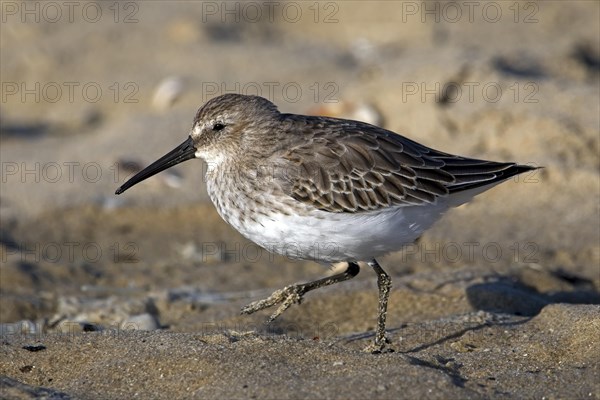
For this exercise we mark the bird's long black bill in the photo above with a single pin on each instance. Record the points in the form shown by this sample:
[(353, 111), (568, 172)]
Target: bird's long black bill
[(185, 151)]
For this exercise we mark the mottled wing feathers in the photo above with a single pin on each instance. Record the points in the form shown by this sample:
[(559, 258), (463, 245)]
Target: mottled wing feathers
[(348, 166)]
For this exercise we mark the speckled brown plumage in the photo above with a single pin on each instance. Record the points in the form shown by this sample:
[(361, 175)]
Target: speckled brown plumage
[(350, 166), (323, 188)]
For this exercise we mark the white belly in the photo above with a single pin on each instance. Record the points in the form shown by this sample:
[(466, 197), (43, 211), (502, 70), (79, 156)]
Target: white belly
[(334, 237)]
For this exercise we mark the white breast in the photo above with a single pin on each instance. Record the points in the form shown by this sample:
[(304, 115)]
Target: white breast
[(332, 237)]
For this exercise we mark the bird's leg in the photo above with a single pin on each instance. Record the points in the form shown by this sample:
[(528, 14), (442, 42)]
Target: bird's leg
[(384, 283), (293, 293)]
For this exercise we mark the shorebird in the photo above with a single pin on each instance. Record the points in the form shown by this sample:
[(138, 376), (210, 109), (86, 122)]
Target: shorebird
[(324, 189)]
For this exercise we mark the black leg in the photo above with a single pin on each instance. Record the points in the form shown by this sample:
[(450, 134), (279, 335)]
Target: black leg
[(384, 283), (293, 293)]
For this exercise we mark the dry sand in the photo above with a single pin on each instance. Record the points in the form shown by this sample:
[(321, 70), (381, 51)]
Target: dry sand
[(500, 299)]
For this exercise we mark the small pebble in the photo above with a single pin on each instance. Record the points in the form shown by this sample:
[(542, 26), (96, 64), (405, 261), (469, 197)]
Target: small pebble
[(167, 93), (361, 111), (141, 322)]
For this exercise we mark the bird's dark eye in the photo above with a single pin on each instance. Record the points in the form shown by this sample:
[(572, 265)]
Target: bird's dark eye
[(218, 127)]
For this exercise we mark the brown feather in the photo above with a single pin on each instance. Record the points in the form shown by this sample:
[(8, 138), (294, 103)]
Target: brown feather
[(348, 166)]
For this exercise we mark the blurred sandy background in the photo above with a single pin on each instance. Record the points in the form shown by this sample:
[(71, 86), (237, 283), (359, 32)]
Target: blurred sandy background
[(111, 297)]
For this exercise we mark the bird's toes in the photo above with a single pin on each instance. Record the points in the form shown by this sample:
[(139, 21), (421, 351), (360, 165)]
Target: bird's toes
[(380, 347)]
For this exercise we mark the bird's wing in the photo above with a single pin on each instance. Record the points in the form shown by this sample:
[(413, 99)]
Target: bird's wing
[(349, 166)]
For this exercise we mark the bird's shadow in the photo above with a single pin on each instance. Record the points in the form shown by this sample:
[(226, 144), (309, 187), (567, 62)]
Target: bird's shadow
[(509, 295)]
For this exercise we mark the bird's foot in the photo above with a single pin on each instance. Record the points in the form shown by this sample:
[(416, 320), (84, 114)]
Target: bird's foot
[(379, 346), (286, 296)]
